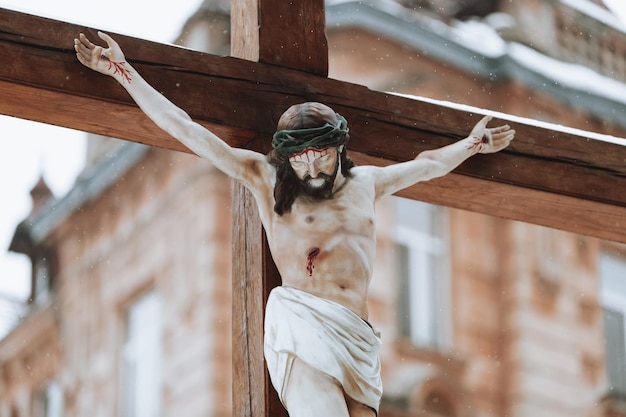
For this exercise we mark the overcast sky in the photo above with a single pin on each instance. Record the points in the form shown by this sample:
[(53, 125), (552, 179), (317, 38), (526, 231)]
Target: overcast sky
[(32, 149)]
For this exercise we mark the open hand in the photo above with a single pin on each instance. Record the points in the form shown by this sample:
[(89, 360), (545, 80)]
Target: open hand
[(490, 140), (108, 61)]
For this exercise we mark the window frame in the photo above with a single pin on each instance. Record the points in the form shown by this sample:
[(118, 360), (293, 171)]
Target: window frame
[(429, 321), (142, 344), (613, 303)]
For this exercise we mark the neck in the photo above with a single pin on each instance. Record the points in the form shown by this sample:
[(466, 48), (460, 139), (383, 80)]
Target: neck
[(339, 183)]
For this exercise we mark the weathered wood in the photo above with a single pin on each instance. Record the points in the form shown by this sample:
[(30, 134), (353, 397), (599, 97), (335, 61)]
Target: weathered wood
[(242, 100), (576, 215), (295, 45), (286, 33), (254, 275)]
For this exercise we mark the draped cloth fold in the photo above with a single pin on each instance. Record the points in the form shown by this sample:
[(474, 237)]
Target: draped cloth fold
[(325, 335)]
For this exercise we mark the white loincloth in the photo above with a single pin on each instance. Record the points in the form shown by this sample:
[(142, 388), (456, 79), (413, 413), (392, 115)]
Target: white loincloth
[(328, 337)]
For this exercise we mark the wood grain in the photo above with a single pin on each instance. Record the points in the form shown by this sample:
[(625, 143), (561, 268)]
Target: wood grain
[(256, 274), (241, 101)]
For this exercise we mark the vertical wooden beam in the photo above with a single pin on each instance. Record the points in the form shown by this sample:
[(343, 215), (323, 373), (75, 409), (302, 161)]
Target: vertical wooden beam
[(289, 34), (254, 275)]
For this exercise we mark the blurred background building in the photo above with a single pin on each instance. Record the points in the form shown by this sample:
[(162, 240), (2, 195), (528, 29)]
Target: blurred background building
[(481, 317)]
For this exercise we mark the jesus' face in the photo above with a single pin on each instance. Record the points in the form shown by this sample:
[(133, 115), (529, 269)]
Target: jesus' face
[(317, 170)]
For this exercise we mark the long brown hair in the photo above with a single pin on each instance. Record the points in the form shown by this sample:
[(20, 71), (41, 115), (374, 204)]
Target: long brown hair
[(301, 116)]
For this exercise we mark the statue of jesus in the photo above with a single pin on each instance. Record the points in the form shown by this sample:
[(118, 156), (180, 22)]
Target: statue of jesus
[(317, 209)]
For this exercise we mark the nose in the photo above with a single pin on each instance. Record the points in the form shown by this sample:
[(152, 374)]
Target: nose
[(313, 169)]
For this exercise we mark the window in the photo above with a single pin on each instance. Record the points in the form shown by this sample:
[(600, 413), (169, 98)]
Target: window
[(49, 401), (41, 289), (422, 265), (43, 270), (612, 273), (141, 359)]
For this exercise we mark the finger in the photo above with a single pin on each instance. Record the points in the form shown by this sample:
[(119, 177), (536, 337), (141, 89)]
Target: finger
[(483, 122), (503, 134), (498, 129), (81, 48), (500, 136), (506, 137), (86, 42), (82, 60), (479, 128), (109, 40), (505, 142)]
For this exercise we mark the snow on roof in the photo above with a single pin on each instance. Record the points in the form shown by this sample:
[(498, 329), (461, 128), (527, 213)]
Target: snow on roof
[(480, 37), (518, 119), (483, 38), (476, 46), (598, 13), (566, 74), (618, 7)]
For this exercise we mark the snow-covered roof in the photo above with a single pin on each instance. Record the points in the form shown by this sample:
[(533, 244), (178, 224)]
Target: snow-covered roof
[(569, 75), (89, 185), (477, 48), (608, 17)]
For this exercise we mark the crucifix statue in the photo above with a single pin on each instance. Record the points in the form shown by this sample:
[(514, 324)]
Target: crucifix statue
[(317, 209)]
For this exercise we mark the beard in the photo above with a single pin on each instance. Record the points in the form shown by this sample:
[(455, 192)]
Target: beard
[(320, 187)]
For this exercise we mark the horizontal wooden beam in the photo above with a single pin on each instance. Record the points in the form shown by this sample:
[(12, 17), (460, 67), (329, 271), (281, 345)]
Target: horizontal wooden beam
[(547, 176)]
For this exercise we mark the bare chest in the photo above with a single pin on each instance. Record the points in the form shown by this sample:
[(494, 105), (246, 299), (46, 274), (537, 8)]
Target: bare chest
[(327, 247), (350, 212)]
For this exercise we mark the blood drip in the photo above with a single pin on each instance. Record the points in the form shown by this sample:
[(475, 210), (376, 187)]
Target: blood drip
[(310, 258)]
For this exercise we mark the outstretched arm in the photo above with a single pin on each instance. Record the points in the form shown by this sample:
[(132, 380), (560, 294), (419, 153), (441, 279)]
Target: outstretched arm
[(111, 61), (438, 162)]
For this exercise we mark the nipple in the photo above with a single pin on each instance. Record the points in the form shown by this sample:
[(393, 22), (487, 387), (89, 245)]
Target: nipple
[(313, 253)]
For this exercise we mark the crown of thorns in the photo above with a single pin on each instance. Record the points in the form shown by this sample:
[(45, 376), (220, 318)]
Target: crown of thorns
[(288, 142)]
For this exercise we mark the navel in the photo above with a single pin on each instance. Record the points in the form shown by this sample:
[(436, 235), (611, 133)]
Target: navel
[(309, 219)]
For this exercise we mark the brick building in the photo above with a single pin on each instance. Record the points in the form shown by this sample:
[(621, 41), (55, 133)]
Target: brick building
[(481, 316)]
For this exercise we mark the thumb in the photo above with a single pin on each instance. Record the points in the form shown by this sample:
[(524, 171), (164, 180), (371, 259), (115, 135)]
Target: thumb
[(479, 128), (109, 40), (483, 122)]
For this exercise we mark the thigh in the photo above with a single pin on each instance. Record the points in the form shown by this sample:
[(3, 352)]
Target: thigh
[(356, 409), (311, 393)]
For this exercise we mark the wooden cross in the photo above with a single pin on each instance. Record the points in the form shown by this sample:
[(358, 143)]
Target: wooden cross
[(548, 177)]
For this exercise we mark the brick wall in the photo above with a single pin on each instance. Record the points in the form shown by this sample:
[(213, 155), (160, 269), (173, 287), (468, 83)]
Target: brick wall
[(525, 328)]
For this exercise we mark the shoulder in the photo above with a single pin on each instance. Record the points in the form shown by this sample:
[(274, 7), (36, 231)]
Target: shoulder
[(367, 173), (254, 172), (254, 168), (363, 178), (380, 179), (364, 171)]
